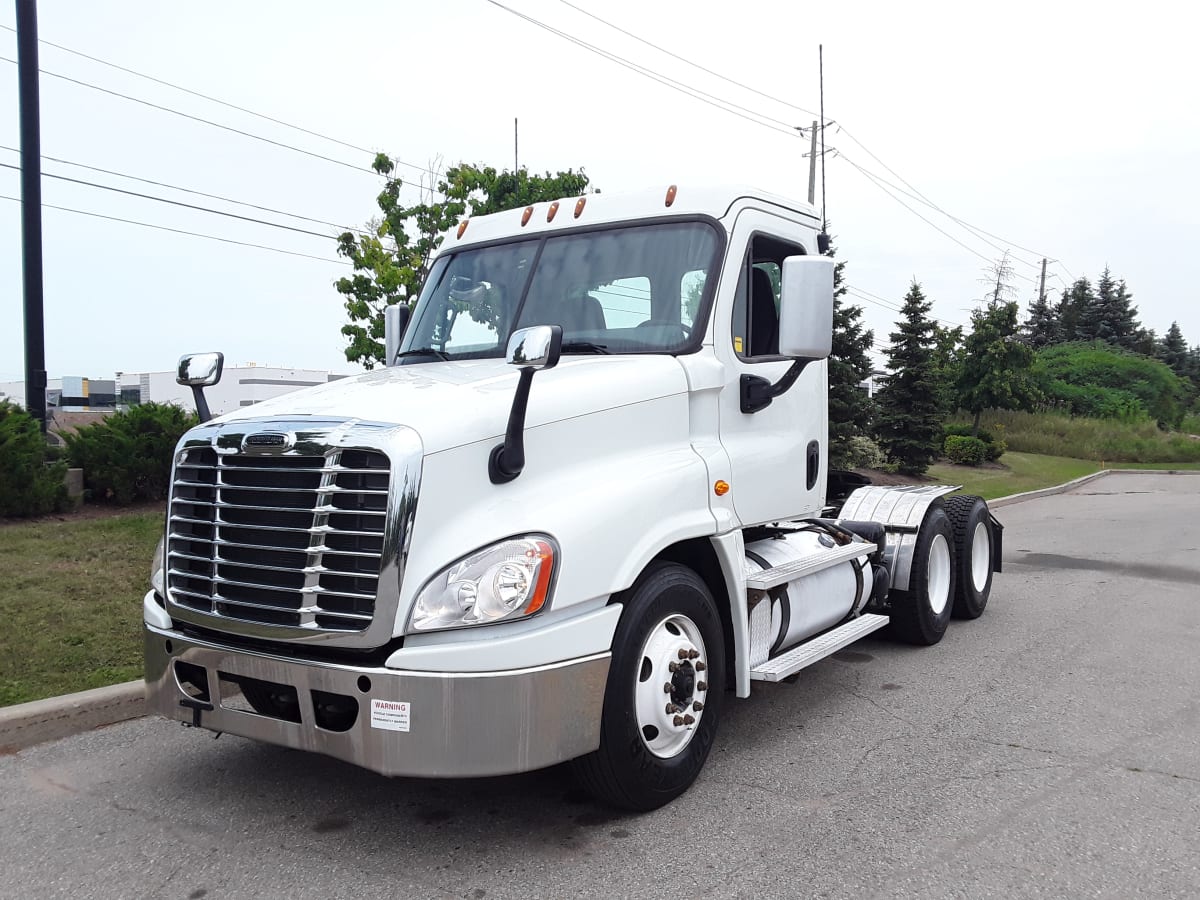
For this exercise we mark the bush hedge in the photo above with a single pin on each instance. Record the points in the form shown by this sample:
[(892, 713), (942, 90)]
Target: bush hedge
[(127, 457), (965, 450), (994, 446), (30, 483)]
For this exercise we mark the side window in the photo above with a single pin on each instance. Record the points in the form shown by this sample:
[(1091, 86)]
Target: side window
[(756, 302)]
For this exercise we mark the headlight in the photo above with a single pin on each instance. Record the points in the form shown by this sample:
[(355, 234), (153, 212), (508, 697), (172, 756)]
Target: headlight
[(508, 580), (156, 569)]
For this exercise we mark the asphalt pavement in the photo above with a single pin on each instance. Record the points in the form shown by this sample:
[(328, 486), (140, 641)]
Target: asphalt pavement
[(1049, 749)]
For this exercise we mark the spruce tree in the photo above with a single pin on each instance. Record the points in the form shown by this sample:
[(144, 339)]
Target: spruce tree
[(1109, 315), (909, 421), (850, 406), (1043, 327), (1173, 350), (1069, 311)]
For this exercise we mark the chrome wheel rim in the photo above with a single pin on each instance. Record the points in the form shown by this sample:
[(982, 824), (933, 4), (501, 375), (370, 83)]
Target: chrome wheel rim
[(671, 686)]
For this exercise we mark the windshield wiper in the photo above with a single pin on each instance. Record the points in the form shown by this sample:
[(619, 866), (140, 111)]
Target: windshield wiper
[(424, 351), (584, 347)]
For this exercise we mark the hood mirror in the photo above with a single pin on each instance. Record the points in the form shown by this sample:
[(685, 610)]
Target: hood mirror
[(198, 371), (531, 349)]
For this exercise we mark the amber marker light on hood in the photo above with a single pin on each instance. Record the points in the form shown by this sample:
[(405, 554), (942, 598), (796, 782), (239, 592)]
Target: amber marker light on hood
[(579, 204), (553, 209), (721, 488), (670, 195), (525, 215)]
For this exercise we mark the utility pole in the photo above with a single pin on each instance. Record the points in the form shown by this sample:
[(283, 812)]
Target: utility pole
[(1042, 284), (516, 156), (812, 167), (31, 210)]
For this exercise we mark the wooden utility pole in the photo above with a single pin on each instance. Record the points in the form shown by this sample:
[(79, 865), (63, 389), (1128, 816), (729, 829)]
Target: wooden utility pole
[(31, 210), (1042, 284), (812, 167)]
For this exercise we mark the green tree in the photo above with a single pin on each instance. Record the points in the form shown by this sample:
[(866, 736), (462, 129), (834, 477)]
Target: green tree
[(391, 257), (1173, 350), (30, 484), (1070, 309), (909, 422), (997, 367), (1110, 315), (947, 365), (851, 408), (1101, 381), (1043, 327)]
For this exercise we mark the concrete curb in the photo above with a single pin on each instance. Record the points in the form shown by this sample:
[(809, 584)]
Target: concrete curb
[(1063, 488), (32, 723)]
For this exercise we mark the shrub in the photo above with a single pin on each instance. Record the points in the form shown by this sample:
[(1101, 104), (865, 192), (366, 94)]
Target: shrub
[(127, 457), (966, 451), (28, 486), (863, 453), (1104, 382), (995, 446)]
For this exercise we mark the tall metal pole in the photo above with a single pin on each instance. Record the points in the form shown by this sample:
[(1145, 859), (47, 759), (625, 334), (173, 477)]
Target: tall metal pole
[(516, 156), (31, 210), (821, 73), (812, 168), (1042, 284)]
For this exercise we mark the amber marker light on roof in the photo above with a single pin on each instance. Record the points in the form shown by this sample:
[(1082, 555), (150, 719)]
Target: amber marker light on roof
[(670, 195), (553, 209), (462, 226), (721, 488), (579, 204), (525, 215)]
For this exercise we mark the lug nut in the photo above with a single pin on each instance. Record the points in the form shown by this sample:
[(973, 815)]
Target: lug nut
[(688, 720), (679, 720), (702, 685), (683, 654), (700, 667), (692, 654), (697, 706), (668, 687), (672, 667)]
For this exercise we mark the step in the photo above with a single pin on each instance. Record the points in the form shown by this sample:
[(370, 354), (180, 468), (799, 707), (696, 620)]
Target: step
[(817, 649), (807, 565)]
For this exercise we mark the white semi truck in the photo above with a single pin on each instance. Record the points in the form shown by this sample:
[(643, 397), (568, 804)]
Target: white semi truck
[(586, 500)]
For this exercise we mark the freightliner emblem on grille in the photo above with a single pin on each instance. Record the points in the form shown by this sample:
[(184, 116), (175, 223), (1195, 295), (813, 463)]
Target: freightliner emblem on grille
[(266, 440)]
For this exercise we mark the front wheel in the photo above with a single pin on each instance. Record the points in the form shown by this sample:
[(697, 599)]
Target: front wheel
[(663, 698)]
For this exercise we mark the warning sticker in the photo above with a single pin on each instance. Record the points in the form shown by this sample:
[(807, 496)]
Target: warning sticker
[(390, 715)]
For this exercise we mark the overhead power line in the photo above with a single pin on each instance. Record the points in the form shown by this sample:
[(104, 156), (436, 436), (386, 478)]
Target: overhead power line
[(686, 61), (176, 187), (725, 105), (210, 237), (215, 212)]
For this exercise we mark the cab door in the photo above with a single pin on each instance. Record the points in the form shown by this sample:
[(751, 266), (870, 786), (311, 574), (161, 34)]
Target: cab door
[(777, 454)]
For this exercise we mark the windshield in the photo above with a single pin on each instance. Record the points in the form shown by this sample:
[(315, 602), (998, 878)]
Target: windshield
[(619, 290)]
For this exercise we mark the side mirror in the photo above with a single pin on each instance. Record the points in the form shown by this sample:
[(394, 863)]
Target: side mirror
[(538, 347), (395, 321), (806, 307), (198, 371), (531, 349)]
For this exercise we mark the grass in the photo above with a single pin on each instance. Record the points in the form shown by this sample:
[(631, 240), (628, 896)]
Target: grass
[(70, 601), (1101, 440), (1018, 472)]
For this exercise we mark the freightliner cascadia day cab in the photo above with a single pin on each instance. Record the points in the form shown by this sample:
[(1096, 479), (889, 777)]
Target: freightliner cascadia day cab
[(587, 499)]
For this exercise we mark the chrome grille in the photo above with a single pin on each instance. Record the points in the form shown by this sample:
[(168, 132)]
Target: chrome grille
[(281, 540)]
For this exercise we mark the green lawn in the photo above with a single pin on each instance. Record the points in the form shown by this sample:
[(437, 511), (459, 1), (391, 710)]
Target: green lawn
[(71, 602), (1161, 466), (1021, 472)]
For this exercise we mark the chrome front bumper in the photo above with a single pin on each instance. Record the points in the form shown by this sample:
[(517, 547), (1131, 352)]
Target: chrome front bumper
[(454, 724)]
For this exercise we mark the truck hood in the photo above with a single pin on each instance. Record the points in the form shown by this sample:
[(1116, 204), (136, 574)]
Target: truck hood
[(459, 402)]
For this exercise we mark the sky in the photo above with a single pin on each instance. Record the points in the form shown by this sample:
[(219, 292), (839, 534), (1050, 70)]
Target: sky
[(1063, 130)]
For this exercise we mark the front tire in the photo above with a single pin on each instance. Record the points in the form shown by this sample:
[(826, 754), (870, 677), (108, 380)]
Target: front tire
[(920, 614), (663, 699)]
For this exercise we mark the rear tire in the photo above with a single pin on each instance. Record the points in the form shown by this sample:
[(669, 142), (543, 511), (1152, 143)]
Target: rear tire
[(973, 543), (920, 614), (648, 755)]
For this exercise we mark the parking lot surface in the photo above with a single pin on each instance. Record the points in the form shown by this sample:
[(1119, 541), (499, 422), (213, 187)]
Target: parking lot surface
[(1050, 748)]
